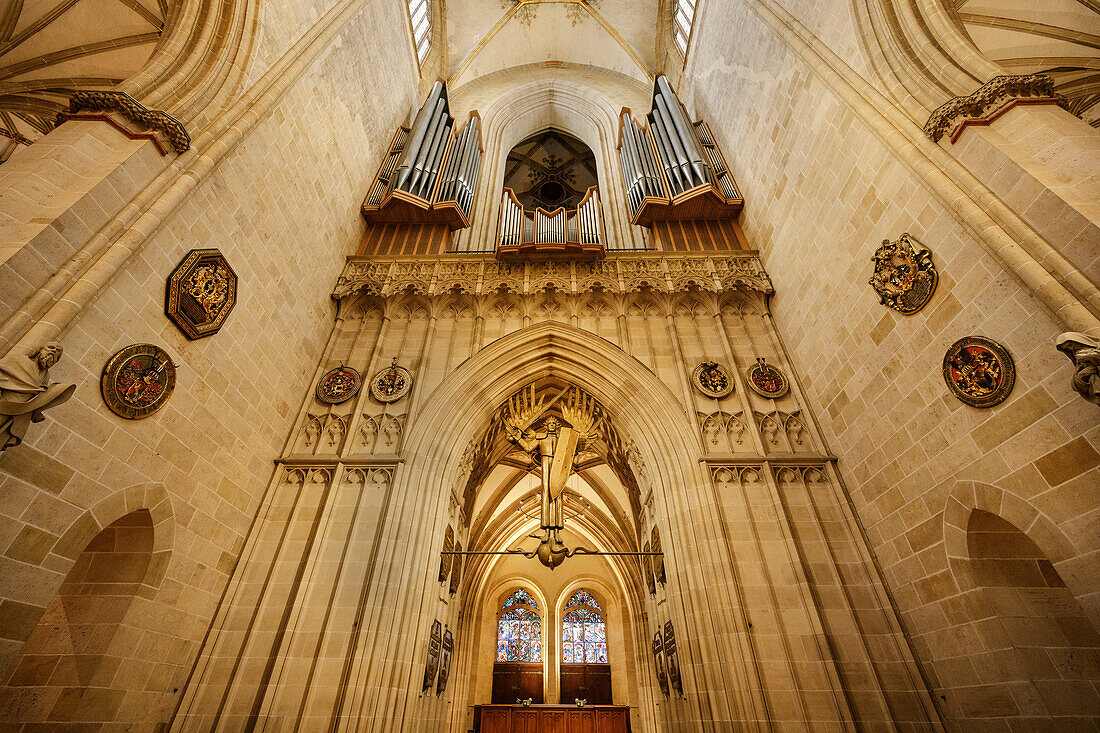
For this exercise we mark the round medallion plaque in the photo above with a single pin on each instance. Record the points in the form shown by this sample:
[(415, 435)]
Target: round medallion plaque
[(339, 385), (137, 381), (980, 372), (767, 381), (712, 379), (391, 384)]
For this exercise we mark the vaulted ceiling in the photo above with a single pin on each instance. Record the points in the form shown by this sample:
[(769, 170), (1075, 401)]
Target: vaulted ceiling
[(1060, 38), (50, 47), (486, 37)]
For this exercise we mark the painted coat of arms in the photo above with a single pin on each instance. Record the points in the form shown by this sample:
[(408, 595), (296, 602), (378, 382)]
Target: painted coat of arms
[(201, 292), (435, 641), (137, 381), (767, 381), (980, 372), (905, 277), (391, 384), (712, 379), (338, 385)]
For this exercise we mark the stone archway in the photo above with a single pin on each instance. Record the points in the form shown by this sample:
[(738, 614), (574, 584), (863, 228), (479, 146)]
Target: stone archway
[(665, 444)]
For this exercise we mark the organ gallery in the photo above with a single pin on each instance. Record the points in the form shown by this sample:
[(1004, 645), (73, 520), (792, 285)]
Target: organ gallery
[(584, 366)]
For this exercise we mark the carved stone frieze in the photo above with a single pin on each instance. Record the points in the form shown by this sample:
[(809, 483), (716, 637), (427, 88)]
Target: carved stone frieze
[(133, 110), (782, 431), (989, 97), (805, 473), (723, 432), (324, 433), (481, 275), (380, 433)]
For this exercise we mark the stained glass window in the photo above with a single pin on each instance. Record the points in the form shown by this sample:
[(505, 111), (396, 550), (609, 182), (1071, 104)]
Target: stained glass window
[(519, 630), (583, 631)]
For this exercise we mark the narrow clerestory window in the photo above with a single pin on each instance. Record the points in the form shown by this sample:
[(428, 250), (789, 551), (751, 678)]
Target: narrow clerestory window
[(685, 15), (420, 14)]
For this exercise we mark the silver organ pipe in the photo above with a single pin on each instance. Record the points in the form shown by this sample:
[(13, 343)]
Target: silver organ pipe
[(652, 175), (684, 129), (417, 133), (628, 160), (671, 156), (419, 167), (691, 170), (448, 177), (673, 173), (434, 160), (433, 164), (560, 226), (467, 176), (384, 181)]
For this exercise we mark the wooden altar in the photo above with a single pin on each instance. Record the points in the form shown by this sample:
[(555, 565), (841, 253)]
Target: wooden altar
[(551, 719)]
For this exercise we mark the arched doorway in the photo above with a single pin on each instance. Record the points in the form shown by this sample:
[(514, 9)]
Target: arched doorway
[(66, 672), (1042, 650)]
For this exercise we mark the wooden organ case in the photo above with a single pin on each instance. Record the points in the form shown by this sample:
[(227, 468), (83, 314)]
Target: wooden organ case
[(677, 182), (424, 188)]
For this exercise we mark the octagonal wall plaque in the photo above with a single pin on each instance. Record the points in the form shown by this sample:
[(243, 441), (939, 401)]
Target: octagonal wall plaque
[(201, 292)]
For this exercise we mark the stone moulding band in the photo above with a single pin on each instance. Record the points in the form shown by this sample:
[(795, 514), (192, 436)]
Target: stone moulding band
[(989, 98), (483, 274), (133, 110), (104, 117)]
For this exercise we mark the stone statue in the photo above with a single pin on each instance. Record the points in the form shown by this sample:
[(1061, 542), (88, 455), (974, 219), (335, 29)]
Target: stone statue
[(1084, 352), (26, 391), (553, 446)]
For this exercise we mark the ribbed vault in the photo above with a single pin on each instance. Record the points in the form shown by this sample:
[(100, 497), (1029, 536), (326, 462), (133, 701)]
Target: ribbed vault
[(1059, 38)]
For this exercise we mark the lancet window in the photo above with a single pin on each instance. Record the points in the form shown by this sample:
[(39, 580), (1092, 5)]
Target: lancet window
[(420, 13), (685, 15), (519, 630), (583, 631)]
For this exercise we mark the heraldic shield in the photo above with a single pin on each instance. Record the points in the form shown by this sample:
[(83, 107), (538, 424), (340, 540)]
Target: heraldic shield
[(562, 463), (905, 277)]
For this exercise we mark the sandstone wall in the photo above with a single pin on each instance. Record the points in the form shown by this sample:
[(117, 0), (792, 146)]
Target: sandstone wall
[(283, 208), (822, 190)]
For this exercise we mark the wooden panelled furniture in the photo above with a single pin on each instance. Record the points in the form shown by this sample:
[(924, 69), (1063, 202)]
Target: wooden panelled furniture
[(551, 719), (591, 682), (517, 681)]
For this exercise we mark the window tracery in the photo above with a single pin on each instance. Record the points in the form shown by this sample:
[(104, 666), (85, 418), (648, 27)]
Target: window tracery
[(583, 631), (685, 16), (519, 629), (420, 15)]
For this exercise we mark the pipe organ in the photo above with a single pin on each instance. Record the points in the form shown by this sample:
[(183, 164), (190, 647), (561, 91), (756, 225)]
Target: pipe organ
[(430, 170), (539, 234), (673, 168)]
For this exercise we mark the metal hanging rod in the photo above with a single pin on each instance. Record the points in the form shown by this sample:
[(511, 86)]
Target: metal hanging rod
[(532, 553)]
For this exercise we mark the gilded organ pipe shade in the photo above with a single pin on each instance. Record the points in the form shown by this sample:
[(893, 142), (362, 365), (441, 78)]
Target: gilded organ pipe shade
[(430, 172)]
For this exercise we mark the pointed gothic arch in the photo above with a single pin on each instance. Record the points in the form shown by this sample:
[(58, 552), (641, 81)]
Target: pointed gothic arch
[(662, 438)]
